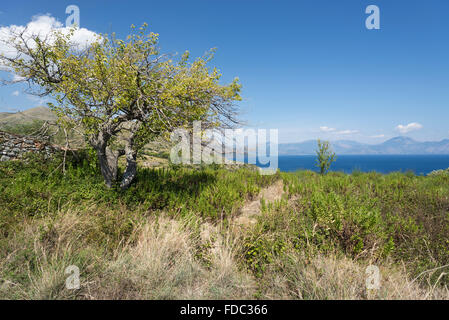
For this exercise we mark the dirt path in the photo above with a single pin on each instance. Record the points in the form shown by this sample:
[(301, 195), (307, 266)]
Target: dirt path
[(249, 211), (252, 209)]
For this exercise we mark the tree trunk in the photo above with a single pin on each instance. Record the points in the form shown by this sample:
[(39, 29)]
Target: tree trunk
[(131, 166), (131, 156), (108, 164), (107, 158)]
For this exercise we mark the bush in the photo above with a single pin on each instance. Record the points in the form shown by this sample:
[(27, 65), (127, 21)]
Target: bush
[(325, 157)]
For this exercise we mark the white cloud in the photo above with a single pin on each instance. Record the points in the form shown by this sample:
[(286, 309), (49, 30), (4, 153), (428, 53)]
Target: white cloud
[(409, 127), (16, 93), (43, 26), (347, 132), (334, 131), (327, 129), (378, 136), (17, 78), (38, 101)]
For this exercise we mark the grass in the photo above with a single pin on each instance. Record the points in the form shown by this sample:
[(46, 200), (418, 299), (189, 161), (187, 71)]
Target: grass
[(374, 216), (172, 235)]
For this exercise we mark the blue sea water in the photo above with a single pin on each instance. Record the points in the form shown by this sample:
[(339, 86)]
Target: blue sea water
[(419, 164)]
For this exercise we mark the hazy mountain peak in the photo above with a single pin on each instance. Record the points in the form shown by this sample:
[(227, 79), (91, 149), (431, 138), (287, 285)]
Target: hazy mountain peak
[(401, 139), (396, 145)]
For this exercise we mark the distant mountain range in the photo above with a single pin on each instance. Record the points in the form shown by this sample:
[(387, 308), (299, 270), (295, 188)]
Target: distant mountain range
[(397, 145)]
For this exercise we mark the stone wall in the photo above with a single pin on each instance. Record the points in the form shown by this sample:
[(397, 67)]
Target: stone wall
[(14, 147)]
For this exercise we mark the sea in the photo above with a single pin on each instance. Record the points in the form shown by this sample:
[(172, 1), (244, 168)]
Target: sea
[(418, 164)]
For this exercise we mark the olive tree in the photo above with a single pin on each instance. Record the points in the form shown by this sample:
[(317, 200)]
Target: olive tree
[(123, 93)]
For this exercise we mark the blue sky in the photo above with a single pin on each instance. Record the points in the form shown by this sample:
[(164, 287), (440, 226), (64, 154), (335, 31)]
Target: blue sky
[(308, 67)]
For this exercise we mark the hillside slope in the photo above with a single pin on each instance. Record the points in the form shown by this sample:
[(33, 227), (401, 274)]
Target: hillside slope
[(27, 116), (215, 233)]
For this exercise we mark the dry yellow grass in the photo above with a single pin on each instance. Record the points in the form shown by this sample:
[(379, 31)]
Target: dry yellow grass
[(171, 258), (161, 264), (331, 277)]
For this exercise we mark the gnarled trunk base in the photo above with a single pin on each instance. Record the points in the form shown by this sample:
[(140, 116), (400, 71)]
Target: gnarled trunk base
[(108, 160), (131, 168)]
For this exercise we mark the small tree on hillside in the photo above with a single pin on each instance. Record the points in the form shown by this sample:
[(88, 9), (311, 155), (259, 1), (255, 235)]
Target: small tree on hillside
[(325, 156), (123, 93)]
